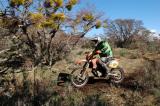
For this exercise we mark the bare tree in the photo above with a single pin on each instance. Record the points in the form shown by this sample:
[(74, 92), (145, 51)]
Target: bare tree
[(124, 30)]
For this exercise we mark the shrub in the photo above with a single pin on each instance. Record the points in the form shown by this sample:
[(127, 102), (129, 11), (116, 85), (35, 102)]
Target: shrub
[(123, 52), (154, 46), (134, 54), (95, 100), (151, 79), (133, 99)]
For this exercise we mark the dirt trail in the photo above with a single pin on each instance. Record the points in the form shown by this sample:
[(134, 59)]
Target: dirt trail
[(129, 83)]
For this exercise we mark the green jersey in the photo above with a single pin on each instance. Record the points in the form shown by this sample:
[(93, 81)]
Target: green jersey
[(105, 49)]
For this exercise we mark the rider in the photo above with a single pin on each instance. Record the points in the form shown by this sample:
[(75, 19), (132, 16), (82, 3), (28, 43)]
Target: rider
[(103, 49)]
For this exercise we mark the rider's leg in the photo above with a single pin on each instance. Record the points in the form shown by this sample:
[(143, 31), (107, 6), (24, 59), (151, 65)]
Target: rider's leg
[(103, 62), (94, 62)]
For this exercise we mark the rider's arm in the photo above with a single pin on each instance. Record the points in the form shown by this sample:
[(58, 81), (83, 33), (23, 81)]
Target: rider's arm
[(93, 53)]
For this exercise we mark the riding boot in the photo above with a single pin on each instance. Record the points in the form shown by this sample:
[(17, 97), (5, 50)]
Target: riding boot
[(94, 71)]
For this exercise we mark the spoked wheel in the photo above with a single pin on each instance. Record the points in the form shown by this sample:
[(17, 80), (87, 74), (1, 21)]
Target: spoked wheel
[(79, 80), (117, 75)]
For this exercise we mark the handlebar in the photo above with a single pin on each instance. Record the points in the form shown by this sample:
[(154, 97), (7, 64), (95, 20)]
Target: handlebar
[(98, 52), (90, 55)]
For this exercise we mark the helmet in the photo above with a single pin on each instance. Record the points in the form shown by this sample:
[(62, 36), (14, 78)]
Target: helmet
[(98, 39)]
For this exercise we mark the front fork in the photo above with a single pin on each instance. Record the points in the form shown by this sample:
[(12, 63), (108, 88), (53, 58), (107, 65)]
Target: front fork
[(85, 66)]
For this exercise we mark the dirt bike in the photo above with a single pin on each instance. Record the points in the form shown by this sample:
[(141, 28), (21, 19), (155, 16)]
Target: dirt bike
[(80, 77)]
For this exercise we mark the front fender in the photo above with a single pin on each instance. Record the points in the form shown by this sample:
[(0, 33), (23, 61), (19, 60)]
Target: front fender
[(79, 62)]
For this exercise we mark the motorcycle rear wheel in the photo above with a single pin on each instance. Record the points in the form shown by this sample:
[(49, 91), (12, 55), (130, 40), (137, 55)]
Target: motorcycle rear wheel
[(119, 75)]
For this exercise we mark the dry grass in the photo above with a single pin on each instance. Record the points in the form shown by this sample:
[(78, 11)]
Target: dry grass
[(41, 85)]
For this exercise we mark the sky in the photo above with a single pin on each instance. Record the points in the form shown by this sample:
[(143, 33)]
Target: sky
[(146, 10)]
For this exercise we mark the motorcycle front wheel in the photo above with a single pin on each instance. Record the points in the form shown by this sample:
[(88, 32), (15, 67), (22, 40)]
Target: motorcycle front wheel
[(78, 80)]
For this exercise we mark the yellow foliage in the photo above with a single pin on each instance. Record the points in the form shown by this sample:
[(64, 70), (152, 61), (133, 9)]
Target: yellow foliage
[(58, 16), (58, 3), (50, 24), (88, 17), (73, 2), (28, 0), (98, 24), (37, 18), (53, 3), (47, 23), (14, 3), (70, 4)]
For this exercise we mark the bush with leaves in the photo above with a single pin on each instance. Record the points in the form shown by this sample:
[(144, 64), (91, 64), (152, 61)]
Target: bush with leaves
[(35, 29), (38, 28)]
